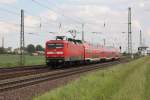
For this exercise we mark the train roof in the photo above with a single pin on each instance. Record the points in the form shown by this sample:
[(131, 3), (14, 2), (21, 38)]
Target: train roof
[(87, 45), (65, 39)]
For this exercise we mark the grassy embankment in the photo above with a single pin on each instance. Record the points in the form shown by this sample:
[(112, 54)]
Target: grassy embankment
[(13, 60), (129, 81)]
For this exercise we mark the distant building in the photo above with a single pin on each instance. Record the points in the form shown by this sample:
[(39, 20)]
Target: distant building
[(5, 50), (142, 50), (38, 53), (8, 50), (17, 51), (148, 52), (1, 50)]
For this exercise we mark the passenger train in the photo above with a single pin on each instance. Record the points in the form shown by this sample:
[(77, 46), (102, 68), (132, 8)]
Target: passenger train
[(65, 50)]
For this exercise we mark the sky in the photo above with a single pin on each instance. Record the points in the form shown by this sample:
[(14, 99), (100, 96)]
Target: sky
[(107, 17)]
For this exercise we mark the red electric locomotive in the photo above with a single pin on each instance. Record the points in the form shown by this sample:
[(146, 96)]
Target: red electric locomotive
[(64, 50)]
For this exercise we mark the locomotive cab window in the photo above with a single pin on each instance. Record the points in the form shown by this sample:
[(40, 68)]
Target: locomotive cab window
[(55, 45)]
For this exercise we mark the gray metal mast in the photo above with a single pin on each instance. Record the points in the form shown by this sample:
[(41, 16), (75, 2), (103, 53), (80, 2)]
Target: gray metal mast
[(140, 37), (83, 32), (22, 41), (3, 42), (129, 32)]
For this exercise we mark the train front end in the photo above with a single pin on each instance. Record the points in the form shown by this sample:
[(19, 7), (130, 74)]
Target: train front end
[(54, 52)]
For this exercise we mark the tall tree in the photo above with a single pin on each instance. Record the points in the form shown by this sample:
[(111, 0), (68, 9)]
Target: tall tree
[(2, 50), (39, 48), (30, 48)]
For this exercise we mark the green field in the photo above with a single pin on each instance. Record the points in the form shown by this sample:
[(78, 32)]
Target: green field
[(129, 81), (13, 60)]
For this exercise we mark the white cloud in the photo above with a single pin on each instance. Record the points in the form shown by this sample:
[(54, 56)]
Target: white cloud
[(32, 24), (32, 21), (141, 4), (136, 24), (148, 32), (7, 28), (7, 1), (94, 13), (49, 15)]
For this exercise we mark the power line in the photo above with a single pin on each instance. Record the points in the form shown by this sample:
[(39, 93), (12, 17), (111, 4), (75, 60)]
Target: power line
[(9, 11), (17, 14), (25, 11), (29, 13), (14, 13), (40, 19), (136, 18), (44, 6), (83, 32), (16, 24), (61, 10)]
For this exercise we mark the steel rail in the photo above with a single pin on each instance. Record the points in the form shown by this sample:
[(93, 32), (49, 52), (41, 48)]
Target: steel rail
[(6, 85), (19, 68)]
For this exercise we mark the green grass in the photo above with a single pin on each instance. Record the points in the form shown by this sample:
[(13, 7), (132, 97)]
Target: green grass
[(147, 83), (7, 60), (129, 81)]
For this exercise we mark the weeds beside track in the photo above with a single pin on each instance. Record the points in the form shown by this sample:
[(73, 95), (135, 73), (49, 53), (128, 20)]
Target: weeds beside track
[(23, 81)]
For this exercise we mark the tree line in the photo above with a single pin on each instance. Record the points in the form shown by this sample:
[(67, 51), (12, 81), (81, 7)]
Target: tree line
[(32, 49), (29, 49)]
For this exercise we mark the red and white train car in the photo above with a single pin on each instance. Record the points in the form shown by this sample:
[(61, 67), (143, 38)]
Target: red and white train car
[(109, 53), (66, 50)]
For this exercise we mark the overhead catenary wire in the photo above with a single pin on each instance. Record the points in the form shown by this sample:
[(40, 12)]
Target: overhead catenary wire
[(16, 24), (39, 17), (14, 13), (60, 10), (45, 6), (135, 18), (27, 12), (102, 22), (9, 11)]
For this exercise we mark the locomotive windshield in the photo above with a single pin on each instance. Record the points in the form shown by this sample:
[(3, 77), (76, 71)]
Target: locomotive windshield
[(55, 45)]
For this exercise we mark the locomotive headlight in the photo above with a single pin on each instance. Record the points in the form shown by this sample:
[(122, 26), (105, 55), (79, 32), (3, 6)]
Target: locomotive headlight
[(55, 52), (60, 61), (50, 52), (59, 53)]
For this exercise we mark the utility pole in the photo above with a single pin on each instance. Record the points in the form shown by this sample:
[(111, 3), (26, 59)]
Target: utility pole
[(104, 41), (40, 24), (3, 42), (140, 37), (82, 32), (22, 41), (129, 32), (60, 28), (113, 45)]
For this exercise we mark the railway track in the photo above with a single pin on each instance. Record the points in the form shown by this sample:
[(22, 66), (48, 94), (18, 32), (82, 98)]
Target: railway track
[(6, 73), (27, 80), (22, 73), (18, 68)]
